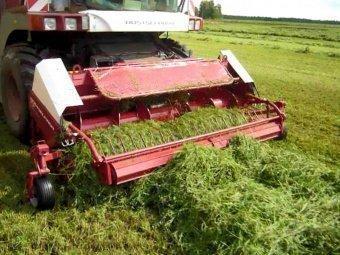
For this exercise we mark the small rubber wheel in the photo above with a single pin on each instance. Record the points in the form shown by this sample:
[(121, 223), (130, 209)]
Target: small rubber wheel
[(44, 198), (284, 134), (16, 78)]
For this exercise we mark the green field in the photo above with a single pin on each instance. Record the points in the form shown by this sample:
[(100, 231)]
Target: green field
[(307, 81), (296, 62)]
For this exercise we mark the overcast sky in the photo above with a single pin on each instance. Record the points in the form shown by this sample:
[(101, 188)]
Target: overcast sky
[(309, 9)]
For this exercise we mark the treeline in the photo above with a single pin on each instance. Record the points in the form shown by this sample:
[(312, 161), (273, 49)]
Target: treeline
[(331, 22), (208, 10)]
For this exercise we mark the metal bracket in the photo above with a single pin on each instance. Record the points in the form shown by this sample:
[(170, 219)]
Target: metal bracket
[(68, 143)]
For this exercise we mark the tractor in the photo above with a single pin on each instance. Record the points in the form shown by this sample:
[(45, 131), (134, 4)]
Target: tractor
[(71, 66)]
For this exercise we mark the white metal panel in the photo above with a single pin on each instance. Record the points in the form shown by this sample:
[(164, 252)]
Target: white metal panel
[(192, 8), (136, 21), (239, 69), (54, 87), (39, 5)]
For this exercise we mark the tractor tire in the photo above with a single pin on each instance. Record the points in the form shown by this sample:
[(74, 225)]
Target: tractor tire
[(16, 74), (44, 194)]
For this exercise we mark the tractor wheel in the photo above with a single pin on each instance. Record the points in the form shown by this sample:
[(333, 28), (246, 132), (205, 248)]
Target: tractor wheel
[(44, 198), (17, 71)]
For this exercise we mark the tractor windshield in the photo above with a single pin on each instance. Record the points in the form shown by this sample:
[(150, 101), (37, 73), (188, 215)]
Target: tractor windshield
[(134, 5)]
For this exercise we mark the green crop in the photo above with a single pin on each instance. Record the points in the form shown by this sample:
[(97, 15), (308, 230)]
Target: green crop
[(249, 199), (133, 136)]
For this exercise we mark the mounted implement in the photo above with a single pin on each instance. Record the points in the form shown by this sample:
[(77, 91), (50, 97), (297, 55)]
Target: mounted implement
[(100, 72)]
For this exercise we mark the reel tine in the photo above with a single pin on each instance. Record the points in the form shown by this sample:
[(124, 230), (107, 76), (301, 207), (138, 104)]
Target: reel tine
[(121, 142), (176, 129), (186, 129), (142, 138), (162, 136), (174, 135), (111, 145), (149, 132), (132, 140), (219, 121), (169, 135), (202, 123), (159, 131), (195, 126)]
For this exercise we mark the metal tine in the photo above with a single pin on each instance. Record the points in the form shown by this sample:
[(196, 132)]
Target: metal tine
[(219, 120), (100, 146), (191, 122), (255, 117), (177, 129), (161, 134), (149, 132), (112, 147), (202, 123), (121, 142), (252, 112), (216, 120), (186, 128), (268, 110), (256, 110), (132, 140), (141, 136), (232, 119), (224, 121), (174, 138)]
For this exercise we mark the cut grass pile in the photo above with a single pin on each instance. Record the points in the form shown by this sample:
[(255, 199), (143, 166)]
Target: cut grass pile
[(249, 199), (133, 136)]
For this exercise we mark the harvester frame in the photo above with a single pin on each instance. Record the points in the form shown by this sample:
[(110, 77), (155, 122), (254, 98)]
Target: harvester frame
[(61, 102)]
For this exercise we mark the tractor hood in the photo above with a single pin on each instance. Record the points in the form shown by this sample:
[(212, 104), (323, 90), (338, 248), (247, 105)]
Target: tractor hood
[(136, 21)]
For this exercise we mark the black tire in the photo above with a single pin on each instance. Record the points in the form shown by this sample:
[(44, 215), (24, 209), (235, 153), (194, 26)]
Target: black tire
[(44, 193), (17, 72), (284, 134)]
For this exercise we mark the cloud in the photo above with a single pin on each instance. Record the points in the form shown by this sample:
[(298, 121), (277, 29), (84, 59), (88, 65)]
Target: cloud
[(310, 9)]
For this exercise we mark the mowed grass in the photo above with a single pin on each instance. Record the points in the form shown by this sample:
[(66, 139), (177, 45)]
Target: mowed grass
[(122, 221)]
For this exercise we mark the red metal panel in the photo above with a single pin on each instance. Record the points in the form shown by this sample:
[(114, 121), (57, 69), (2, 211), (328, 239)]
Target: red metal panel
[(36, 20), (137, 80), (30, 3), (44, 123)]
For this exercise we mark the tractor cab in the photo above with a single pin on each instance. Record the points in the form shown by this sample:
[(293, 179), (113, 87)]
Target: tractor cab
[(108, 15), (132, 5)]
